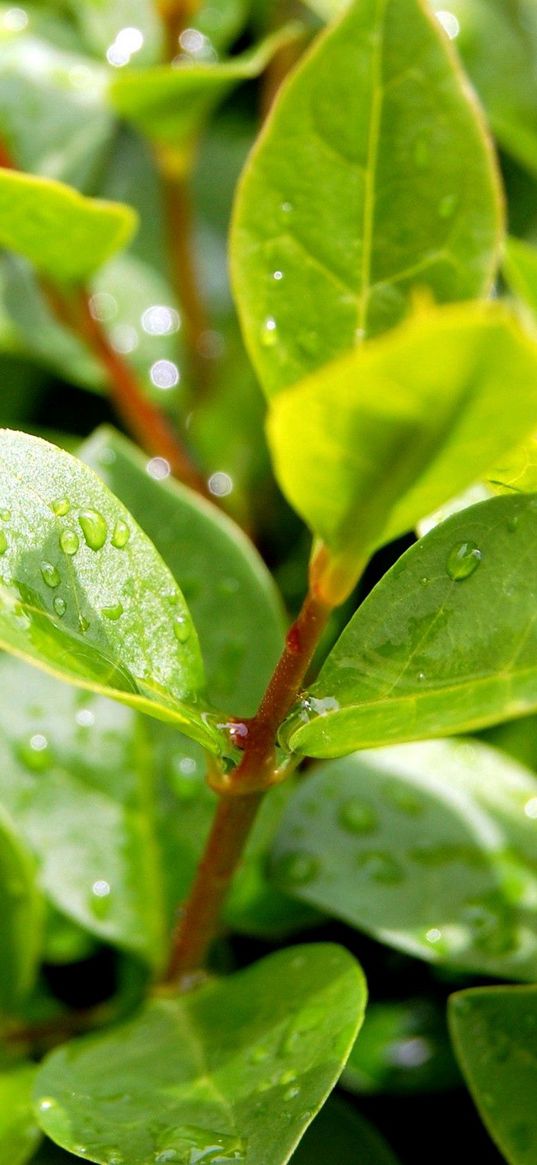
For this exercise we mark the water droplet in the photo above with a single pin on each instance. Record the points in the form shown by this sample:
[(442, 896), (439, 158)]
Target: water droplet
[(46, 1103), (50, 575), (167, 1155), (463, 560), (181, 628), (85, 718), (291, 1093), (277, 275), (287, 208), (94, 528), (357, 816), (434, 935), (421, 677), (69, 542), (158, 468), (403, 798), (99, 902), (530, 808), (61, 507), (60, 606), (164, 374), (35, 753), (449, 23), (447, 205), (269, 332), (220, 484), (424, 581), (380, 867), (121, 534), (3, 542), (83, 623), (298, 868), (5, 515), (259, 1054), (512, 523), (114, 613)]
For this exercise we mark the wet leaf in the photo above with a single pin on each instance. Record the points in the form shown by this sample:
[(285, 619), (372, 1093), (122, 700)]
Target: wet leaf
[(86, 596), (445, 643), (238, 1067), (430, 848), (494, 1037), (21, 914), (376, 121), (19, 1133)]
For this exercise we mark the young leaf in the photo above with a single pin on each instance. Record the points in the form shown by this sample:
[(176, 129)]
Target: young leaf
[(238, 1067), (237, 613), (396, 428), (85, 594), (429, 847), (65, 235), (445, 643), (19, 1132), (76, 774), (498, 45), (493, 1031), (170, 105), (21, 915), (338, 1134), (372, 178)]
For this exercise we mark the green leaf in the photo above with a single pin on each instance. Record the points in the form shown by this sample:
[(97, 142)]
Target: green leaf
[(403, 1048), (21, 914), (85, 594), (445, 643), (170, 105), (498, 44), (76, 775), (340, 1135), (101, 21), (237, 1068), (428, 847), (494, 1036), (373, 460), (238, 615), (64, 234), (371, 178), (19, 1132)]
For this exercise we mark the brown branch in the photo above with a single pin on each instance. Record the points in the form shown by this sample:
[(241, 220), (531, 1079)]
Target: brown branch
[(176, 15), (183, 270)]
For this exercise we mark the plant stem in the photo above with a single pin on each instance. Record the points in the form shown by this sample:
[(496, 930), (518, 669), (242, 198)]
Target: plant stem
[(242, 793), (176, 15), (180, 225), (142, 419)]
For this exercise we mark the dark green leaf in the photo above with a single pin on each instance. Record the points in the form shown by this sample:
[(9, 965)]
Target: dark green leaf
[(19, 1133), (376, 122), (494, 1036), (428, 847), (445, 643), (64, 234), (339, 1135), (21, 915), (85, 594), (235, 1070), (229, 591), (393, 430)]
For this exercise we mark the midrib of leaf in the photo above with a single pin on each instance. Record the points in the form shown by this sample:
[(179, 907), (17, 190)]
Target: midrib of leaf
[(370, 172), (188, 1029)]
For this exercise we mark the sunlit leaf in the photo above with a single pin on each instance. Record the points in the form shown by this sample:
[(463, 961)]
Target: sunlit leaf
[(239, 1067), (428, 847), (371, 178)]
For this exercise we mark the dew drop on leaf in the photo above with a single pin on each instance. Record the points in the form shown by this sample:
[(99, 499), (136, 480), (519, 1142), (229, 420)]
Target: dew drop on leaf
[(3, 542), (463, 560), (512, 523), (61, 507), (83, 623), (269, 332), (120, 535), (5, 515), (69, 542), (181, 628), (357, 816), (50, 575), (380, 867), (298, 867), (113, 613), (60, 606), (94, 528)]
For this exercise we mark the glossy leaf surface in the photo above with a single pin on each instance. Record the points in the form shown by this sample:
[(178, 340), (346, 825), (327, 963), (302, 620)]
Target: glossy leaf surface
[(238, 1067), (428, 847), (233, 600), (445, 643), (339, 1134), (375, 121), (21, 915), (64, 234), (76, 775), (390, 432), (85, 594), (19, 1133), (494, 1036), (170, 105), (498, 42)]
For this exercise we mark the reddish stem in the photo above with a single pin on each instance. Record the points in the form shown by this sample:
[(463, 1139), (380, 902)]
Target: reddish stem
[(180, 225)]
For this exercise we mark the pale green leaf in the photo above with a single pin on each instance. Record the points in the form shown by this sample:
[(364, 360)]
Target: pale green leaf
[(77, 776), (21, 915), (170, 105), (237, 1068), (19, 1132), (428, 847), (393, 430), (494, 1037), (445, 643), (64, 234), (233, 600), (497, 40), (86, 596), (372, 178)]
